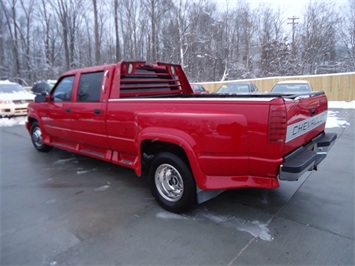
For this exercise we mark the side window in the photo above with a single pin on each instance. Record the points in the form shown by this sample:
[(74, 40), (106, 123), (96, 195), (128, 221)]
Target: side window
[(90, 87), (62, 92)]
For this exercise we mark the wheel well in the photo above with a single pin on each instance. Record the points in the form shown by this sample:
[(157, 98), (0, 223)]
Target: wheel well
[(31, 120), (150, 148)]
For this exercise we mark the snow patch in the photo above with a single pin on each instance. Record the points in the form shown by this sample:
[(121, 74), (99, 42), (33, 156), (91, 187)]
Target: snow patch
[(341, 104), (334, 121), (64, 161), (80, 171), (256, 228), (102, 188), (15, 121), (170, 216)]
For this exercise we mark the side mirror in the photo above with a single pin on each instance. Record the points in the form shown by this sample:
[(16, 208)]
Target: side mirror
[(41, 98)]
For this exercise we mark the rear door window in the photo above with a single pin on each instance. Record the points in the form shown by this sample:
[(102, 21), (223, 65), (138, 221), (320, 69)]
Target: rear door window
[(90, 87)]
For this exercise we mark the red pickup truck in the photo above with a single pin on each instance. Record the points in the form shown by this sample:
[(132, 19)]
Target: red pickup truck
[(191, 147)]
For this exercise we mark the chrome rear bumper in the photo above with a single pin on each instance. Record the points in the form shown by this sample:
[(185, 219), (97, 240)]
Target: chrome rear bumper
[(307, 157)]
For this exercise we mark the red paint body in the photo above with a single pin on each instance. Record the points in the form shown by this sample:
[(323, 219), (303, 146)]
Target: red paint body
[(230, 141)]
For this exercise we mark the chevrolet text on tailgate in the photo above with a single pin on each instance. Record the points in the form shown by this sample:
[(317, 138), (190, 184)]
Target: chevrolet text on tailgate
[(191, 147)]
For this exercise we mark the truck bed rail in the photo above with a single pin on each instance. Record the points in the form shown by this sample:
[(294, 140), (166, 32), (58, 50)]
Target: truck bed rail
[(215, 95)]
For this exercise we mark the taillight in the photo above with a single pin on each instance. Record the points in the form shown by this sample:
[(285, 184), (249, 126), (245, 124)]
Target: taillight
[(277, 124)]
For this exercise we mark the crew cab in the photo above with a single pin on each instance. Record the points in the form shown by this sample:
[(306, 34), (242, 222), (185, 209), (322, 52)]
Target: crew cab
[(189, 146)]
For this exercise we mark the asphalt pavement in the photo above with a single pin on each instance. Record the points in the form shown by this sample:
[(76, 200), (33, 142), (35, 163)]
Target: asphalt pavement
[(60, 208)]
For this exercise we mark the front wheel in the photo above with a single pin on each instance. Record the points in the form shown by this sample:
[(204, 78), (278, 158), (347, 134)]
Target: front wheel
[(37, 140), (171, 183)]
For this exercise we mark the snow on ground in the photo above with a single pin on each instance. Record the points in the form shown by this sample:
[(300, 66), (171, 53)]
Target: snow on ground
[(256, 228), (332, 121), (9, 122), (341, 104)]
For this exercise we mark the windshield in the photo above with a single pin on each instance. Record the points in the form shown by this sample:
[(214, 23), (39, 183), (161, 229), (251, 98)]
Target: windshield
[(233, 88), (196, 87), (11, 88), (291, 88)]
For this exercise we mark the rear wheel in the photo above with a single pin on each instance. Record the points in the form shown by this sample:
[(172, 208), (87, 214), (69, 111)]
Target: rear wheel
[(171, 183), (37, 140)]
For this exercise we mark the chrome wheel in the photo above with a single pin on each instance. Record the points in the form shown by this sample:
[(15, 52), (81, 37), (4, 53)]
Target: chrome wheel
[(37, 137), (169, 182)]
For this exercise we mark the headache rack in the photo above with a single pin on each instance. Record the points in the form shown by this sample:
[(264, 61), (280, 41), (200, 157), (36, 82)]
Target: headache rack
[(140, 79)]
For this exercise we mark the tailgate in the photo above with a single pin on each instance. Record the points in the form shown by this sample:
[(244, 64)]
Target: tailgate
[(306, 143), (306, 118)]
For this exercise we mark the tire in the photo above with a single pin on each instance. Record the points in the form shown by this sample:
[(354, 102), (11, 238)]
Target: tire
[(36, 137), (171, 183)]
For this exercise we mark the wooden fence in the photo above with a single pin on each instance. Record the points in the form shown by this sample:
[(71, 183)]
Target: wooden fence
[(338, 87)]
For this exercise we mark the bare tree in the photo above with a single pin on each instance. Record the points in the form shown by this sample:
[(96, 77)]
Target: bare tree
[(239, 40), (3, 69), (68, 12), (319, 36), (27, 8), (156, 9), (11, 22), (248, 30), (183, 25), (41, 39), (276, 57), (191, 37), (347, 37), (96, 32), (133, 31), (117, 35), (49, 38)]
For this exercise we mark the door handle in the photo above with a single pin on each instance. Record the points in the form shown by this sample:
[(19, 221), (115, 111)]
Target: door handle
[(67, 110), (97, 111)]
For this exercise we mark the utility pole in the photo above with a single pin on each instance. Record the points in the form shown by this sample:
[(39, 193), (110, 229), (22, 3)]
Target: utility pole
[(293, 21)]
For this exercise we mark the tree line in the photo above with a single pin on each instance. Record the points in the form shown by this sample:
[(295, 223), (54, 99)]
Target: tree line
[(40, 39)]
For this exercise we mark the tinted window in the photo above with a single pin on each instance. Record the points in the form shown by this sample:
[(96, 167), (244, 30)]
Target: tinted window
[(62, 92), (234, 88), (90, 87), (291, 88)]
